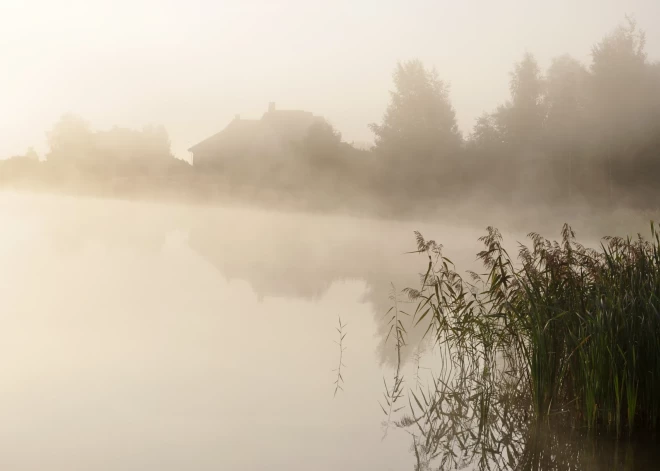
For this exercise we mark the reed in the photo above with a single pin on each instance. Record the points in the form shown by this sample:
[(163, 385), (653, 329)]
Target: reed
[(575, 329), (341, 331)]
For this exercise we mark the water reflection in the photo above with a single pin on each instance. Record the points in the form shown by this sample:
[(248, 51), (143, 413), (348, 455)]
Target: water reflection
[(278, 254), (559, 448), (125, 349), (172, 352), (467, 424)]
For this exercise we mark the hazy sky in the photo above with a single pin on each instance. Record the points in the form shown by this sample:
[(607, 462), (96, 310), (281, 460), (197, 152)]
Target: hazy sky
[(191, 65)]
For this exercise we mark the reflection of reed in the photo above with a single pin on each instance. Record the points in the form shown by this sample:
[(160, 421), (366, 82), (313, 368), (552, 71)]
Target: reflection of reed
[(512, 347), (399, 333), (340, 379)]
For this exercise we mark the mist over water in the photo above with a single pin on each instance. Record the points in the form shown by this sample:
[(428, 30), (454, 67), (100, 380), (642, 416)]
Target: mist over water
[(215, 246), (148, 336), (142, 335)]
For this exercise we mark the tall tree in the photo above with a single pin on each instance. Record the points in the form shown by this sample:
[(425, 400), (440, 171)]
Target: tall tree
[(565, 104), (420, 122), (521, 118), (71, 140), (322, 141), (520, 122), (565, 92), (620, 97), (485, 135), (118, 150)]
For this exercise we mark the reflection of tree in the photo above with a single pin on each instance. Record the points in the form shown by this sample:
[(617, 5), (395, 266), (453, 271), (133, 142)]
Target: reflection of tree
[(303, 260), (74, 223), (277, 254)]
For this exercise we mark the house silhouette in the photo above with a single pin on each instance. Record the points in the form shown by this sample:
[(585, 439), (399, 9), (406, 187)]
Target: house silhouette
[(272, 136)]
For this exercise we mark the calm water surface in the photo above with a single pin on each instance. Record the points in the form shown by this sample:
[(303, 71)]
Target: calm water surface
[(139, 336)]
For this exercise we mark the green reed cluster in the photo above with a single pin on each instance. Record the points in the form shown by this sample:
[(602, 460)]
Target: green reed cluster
[(577, 329)]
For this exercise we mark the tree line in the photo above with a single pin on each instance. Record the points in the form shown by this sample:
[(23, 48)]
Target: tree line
[(574, 133)]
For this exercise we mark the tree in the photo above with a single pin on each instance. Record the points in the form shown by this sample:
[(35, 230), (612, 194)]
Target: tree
[(565, 103), (115, 151), (32, 155), (565, 91), (519, 124), (621, 96), (521, 119), (132, 151), (619, 58), (485, 135), (420, 122), (321, 140), (620, 79), (70, 140)]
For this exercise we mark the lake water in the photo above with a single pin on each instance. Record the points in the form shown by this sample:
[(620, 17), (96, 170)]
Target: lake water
[(140, 336)]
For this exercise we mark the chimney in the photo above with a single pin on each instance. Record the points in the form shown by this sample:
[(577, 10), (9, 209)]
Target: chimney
[(271, 106)]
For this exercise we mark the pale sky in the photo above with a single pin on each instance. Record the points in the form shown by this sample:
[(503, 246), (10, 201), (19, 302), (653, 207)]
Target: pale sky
[(192, 65)]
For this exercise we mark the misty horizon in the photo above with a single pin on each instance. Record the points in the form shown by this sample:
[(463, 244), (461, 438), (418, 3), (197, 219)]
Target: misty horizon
[(292, 235), (158, 75)]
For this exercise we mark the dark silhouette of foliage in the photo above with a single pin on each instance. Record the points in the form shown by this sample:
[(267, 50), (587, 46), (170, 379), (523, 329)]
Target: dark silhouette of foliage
[(419, 120), (418, 139), (322, 140), (574, 133)]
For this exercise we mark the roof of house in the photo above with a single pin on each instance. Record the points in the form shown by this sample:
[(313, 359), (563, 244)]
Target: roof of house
[(237, 128), (288, 125)]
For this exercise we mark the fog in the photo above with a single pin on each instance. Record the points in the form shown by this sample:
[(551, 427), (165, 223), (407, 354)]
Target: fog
[(191, 66), (573, 134), (196, 195), (141, 336)]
